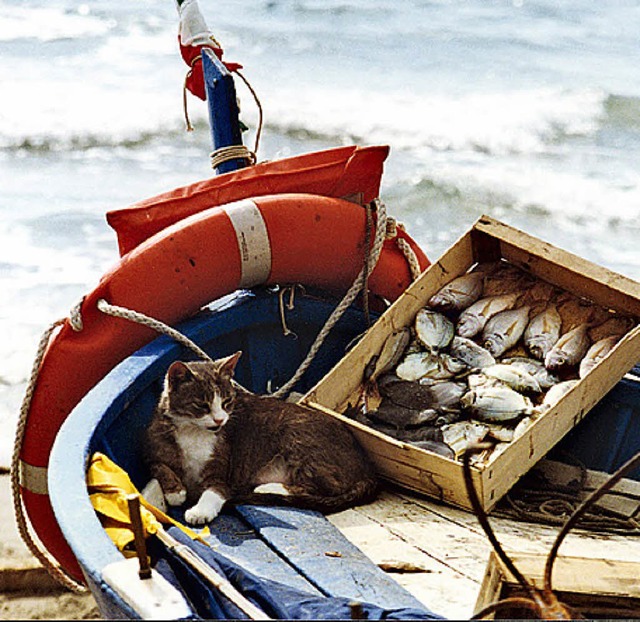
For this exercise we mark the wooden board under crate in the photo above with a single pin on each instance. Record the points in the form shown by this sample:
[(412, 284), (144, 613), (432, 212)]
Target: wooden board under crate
[(442, 478), (595, 588)]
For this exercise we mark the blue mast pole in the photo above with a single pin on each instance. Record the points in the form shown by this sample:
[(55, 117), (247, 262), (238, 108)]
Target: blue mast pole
[(223, 108)]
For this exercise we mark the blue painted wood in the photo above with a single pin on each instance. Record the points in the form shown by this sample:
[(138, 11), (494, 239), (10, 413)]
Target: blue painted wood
[(325, 557), (237, 540), (608, 437), (223, 108)]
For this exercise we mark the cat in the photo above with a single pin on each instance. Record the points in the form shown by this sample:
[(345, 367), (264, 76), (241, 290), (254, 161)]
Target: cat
[(210, 442)]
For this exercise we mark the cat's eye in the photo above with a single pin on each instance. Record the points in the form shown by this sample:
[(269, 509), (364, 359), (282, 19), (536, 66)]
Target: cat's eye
[(200, 408)]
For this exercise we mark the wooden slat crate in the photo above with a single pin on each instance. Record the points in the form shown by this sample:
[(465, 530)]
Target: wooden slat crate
[(426, 472), (595, 588)]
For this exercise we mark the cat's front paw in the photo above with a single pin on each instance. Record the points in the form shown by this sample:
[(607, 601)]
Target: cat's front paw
[(207, 508), (175, 499)]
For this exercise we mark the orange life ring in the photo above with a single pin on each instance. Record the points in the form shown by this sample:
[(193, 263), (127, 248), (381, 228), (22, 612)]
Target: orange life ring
[(285, 238)]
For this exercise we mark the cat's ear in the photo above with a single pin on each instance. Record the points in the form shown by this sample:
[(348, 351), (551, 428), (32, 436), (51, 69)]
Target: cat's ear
[(228, 364), (177, 373)]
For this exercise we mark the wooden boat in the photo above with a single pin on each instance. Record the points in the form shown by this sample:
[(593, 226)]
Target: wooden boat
[(437, 553)]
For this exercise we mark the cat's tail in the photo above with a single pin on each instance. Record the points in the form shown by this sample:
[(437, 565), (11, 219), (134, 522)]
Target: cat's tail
[(362, 492)]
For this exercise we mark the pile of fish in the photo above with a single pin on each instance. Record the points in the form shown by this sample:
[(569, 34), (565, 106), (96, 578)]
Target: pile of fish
[(490, 352)]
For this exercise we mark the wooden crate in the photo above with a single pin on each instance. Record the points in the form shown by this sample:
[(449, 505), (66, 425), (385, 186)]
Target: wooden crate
[(596, 588), (442, 478)]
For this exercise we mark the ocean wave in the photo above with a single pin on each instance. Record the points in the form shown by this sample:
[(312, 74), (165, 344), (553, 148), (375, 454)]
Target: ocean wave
[(508, 122), (46, 24)]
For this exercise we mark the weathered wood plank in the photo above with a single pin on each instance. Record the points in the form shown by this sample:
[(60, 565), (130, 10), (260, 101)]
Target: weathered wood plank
[(435, 584), (237, 540), (325, 557)]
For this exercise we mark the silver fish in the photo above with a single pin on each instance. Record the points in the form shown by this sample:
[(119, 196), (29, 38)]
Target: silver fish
[(459, 293), (555, 393), (596, 353), (534, 367), (496, 404), (434, 330), (543, 331), (473, 319), (425, 364), (569, 349), (392, 350), (446, 394), (461, 434), (470, 353), (504, 329), (513, 377)]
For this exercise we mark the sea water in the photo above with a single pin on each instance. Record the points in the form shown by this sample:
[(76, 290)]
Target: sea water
[(528, 111)]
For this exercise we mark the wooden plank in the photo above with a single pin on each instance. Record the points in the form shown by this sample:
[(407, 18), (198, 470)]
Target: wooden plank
[(237, 540), (319, 552), (435, 584)]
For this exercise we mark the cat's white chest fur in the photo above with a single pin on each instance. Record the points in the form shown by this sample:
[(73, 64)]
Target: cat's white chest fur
[(197, 446)]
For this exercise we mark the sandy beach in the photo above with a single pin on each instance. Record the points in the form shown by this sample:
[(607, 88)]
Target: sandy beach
[(27, 592)]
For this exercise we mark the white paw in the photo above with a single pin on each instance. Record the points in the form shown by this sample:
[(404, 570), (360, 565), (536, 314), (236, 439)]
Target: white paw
[(176, 498), (152, 493), (207, 508), (272, 488)]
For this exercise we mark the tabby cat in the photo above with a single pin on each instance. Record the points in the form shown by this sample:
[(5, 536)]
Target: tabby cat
[(210, 442)]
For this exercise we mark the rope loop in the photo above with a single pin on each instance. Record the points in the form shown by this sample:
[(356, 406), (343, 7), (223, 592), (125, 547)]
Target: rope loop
[(232, 152)]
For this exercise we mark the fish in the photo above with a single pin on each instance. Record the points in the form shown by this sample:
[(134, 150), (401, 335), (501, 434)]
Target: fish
[(433, 330), (504, 329), (555, 393), (446, 394), (618, 325), (496, 404), (543, 332), (473, 319), (569, 349), (575, 311), (462, 434), (502, 433), (459, 293), (392, 350), (402, 417), (507, 279), (407, 393), (419, 365), (470, 353), (596, 353), (513, 377), (534, 367)]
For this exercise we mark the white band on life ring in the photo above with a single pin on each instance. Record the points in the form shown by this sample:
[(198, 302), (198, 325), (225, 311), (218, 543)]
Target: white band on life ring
[(253, 242)]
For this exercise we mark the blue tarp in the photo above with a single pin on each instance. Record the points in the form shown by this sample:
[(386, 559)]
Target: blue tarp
[(277, 600)]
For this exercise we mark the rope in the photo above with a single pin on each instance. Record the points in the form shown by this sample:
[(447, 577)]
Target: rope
[(259, 106), (405, 247), (232, 152), (157, 325), (344, 304), (24, 528)]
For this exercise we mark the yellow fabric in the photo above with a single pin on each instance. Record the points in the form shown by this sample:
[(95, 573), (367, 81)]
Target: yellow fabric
[(108, 487)]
